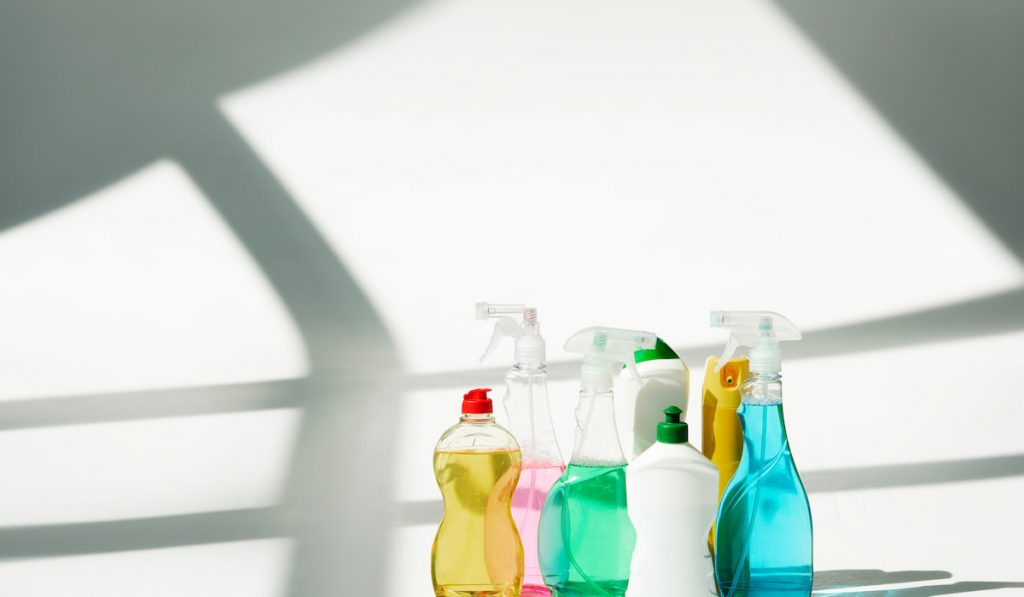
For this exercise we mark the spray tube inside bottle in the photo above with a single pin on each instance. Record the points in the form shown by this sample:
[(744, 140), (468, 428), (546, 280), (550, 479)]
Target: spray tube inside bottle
[(760, 332), (526, 404), (587, 518)]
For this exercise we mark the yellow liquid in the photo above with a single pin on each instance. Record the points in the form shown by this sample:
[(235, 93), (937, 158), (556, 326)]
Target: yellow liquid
[(477, 551)]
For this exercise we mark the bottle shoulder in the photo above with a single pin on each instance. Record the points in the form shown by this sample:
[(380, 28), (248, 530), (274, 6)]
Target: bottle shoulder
[(476, 437), (662, 456)]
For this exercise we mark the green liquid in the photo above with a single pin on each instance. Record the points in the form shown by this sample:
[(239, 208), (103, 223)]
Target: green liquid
[(586, 539)]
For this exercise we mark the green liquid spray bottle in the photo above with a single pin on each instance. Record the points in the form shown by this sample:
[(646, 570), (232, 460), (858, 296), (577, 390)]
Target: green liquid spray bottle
[(586, 538)]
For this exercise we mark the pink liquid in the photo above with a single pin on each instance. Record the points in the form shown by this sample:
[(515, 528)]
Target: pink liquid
[(531, 492)]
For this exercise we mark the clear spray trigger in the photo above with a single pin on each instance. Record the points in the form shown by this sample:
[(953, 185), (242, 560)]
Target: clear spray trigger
[(504, 327), (529, 345), (730, 350), (633, 371), (604, 349), (760, 332)]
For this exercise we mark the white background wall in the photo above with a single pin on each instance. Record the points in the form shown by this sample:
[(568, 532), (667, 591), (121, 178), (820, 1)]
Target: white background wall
[(181, 414)]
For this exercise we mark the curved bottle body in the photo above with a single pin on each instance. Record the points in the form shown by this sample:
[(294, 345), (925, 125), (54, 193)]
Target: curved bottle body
[(477, 551), (673, 496), (764, 535), (526, 404), (586, 538)]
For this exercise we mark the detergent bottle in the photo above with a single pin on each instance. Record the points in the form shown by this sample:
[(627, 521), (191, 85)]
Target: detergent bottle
[(529, 418), (722, 435), (673, 495), (477, 552), (586, 537), (664, 381), (763, 534)]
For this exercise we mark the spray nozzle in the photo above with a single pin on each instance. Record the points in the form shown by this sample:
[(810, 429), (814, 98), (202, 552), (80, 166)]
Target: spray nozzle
[(605, 349), (760, 332), (529, 344)]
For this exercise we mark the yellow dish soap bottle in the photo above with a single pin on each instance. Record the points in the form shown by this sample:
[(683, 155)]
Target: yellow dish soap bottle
[(722, 435), (477, 551)]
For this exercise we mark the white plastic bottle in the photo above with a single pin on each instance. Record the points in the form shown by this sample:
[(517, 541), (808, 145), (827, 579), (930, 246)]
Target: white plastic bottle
[(673, 495), (664, 380)]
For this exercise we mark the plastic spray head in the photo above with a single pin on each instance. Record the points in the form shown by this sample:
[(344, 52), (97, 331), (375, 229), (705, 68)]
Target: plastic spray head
[(760, 332), (604, 351), (529, 344)]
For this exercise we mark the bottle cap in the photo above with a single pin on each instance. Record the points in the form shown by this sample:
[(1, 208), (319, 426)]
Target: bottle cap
[(673, 430), (476, 402)]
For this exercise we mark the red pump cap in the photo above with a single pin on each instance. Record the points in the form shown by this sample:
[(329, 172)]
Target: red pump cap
[(476, 402)]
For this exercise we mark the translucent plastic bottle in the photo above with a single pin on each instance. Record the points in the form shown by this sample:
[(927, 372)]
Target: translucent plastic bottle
[(586, 538), (477, 551), (529, 418), (526, 404), (764, 533)]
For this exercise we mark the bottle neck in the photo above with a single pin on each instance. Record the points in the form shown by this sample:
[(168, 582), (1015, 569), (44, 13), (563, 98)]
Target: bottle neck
[(476, 419), (597, 439), (762, 389), (529, 415)]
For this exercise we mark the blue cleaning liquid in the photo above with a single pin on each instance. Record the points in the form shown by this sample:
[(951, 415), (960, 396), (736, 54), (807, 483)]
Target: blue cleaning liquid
[(764, 534)]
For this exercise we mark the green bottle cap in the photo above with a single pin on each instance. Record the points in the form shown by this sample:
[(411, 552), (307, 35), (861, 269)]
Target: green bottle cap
[(673, 430)]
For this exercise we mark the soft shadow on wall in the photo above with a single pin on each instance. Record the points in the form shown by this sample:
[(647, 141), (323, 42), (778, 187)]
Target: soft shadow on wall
[(945, 75), (103, 90), (95, 91)]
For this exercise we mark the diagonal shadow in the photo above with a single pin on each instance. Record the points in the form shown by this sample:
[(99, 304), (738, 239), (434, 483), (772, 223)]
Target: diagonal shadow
[(994, 314), (94, 91), (997, 313), (906, 475), (830, 480), (150, 404), (945, 75), (825, 580), (343, 461), (956, 588), (179, 530)]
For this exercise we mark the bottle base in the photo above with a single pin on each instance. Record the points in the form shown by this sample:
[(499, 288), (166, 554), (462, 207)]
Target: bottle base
[(766, 589), (475, 591), (535, 591), (582, 589)]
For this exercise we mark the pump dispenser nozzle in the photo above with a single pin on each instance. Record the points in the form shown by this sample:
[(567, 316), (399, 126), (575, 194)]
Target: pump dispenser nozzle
[(761, 332), (529, 344), (605, 349)]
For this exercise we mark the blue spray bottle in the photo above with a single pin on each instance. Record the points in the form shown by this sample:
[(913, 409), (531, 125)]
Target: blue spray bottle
[(764, 536)]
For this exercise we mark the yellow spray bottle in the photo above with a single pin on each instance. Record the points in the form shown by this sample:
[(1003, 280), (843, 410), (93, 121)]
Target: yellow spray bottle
[(722, 437)]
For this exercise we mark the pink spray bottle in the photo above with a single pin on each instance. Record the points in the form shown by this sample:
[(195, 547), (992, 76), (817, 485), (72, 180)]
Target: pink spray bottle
[(529, 419)]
